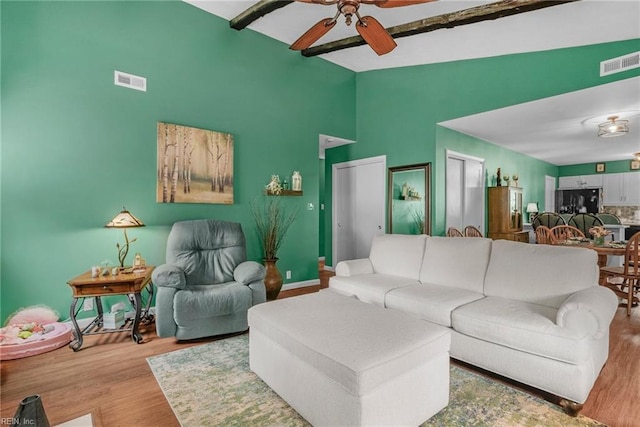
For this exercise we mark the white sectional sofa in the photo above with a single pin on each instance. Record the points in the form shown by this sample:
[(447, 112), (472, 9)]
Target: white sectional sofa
[(532, 313)]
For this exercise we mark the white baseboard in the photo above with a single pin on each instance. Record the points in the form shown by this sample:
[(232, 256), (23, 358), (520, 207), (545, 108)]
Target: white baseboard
[(303, 284), (329, 268), (83, 323)]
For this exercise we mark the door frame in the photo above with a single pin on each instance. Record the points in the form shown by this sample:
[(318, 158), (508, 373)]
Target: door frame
[(464, 158), (334, 196)]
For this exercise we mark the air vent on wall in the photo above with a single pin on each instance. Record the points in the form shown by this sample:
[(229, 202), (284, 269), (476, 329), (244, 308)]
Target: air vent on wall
[(129, 80), (619, 64)]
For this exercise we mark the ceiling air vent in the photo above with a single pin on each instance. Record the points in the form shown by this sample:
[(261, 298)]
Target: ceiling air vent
[(619, 64), (129, 80)]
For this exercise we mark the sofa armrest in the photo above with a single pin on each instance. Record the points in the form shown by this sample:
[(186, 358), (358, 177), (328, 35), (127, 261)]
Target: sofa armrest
[(590, 310), (354, 267), (248, 272), (169, 275)]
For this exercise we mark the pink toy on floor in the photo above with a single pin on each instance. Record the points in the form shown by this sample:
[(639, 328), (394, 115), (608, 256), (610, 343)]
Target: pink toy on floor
[(30, 331)]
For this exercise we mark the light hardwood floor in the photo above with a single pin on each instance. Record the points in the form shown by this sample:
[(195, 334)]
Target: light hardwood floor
[(110, 377)]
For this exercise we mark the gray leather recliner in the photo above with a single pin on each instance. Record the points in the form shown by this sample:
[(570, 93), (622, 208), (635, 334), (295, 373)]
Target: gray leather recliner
[(207, 285)]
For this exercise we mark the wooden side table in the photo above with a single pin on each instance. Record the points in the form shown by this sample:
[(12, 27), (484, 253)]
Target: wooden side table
[(130, 284)]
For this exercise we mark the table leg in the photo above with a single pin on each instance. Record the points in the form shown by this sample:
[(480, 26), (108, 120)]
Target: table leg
[(136, 320), (76, 343), (147, 316), (602, 262)]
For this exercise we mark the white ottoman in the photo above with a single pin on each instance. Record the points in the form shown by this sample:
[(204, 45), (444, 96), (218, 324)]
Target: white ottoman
[(339, 361)]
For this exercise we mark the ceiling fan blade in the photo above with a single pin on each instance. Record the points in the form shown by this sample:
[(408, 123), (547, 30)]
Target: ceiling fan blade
[(313, 34), (375, 35), (399, 3)]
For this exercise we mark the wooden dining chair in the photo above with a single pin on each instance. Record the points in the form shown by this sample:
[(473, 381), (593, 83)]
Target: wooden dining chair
[(543, 235), (471, 231), (454, 232), (560, 233), (625, 280)]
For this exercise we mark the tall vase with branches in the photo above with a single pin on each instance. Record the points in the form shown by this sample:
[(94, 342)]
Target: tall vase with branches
[(273, 220)]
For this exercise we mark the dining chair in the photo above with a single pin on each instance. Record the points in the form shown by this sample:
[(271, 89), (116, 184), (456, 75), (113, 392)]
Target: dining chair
[(543, 235), (560, 233), (626, 278), (609, 218), (584, 221), (454, 232), (471, 231), (548, 219)]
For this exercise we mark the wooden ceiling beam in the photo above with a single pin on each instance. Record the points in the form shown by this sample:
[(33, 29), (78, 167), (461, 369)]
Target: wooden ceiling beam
[(256, 12), (472, 15)]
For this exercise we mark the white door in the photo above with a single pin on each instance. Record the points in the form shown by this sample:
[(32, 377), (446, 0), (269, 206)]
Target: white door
[(549, 194), (344, 234), (464, 192), (358, 206), (474, 193), (455, 193), (370, 205)]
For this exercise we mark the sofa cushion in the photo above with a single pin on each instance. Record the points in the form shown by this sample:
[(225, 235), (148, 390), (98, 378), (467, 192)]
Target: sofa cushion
[(456, 262), (203, 301), (539, 274), (526, 327), (430, 302), (371, 288), (397, 254)]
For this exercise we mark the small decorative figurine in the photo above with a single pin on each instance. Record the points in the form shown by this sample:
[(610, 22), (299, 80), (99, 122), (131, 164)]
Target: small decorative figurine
[(274, 186), (498, 183)]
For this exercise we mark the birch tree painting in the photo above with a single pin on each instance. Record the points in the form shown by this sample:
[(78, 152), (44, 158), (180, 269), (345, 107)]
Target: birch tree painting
[(194, 165)]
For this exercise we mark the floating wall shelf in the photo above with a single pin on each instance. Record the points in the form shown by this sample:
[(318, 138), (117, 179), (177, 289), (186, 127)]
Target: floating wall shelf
[(284, 193)]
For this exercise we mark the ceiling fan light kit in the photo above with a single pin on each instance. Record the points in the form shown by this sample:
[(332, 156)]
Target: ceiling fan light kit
[(613, 127), (373, 33)]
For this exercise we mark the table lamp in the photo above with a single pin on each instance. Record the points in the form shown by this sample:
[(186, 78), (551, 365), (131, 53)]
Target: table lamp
[(532, 210), (124, 220)]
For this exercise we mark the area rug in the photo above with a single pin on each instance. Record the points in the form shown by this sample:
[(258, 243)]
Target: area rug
[(212, 385)]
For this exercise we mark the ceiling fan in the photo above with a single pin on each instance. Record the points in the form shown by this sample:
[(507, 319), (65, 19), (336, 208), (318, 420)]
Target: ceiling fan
[(367, 26)]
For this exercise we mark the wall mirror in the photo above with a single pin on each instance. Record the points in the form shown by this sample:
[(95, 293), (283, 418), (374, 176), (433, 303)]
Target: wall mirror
[(409, 199)]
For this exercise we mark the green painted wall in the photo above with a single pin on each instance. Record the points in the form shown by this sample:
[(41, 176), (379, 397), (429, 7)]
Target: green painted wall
[(590, 168), (398, 110), (76, 148)]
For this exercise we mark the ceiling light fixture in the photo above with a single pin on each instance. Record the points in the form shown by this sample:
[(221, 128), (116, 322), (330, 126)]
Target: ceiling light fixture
[(613, 127)]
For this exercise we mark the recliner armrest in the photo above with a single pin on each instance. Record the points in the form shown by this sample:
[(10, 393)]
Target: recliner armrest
[(169, 275), (590, 310), (248, 272), (354, 267)]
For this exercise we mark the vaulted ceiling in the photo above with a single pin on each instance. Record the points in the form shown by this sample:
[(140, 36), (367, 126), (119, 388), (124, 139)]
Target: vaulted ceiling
[(537, 129)]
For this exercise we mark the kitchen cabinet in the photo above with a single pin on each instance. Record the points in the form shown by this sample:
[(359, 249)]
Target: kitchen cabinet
[(505, 214), (580, 181), (621, 189)]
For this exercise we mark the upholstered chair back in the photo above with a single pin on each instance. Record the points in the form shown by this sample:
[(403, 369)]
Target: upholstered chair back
[(207, 250)]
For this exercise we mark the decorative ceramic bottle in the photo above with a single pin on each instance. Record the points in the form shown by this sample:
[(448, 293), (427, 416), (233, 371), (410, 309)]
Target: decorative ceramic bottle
[(296, 181)]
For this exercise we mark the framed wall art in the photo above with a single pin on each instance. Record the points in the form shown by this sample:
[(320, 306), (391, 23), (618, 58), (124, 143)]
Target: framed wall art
[(635, 164), (409, 203), (600, 168), (194, 165)]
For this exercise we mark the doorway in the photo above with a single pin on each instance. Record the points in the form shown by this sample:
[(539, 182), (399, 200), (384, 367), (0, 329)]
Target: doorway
[(358, 206), (465, 193)]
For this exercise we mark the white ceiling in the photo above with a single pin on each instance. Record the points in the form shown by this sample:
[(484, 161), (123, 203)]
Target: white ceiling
[(559, 130)]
